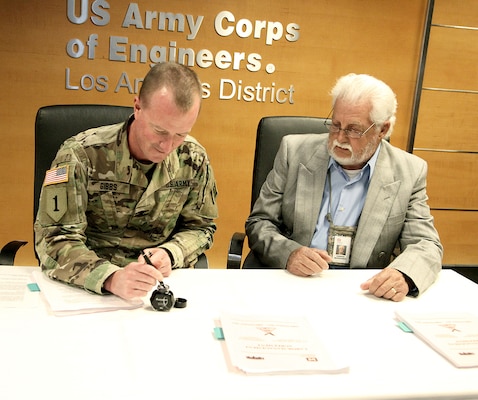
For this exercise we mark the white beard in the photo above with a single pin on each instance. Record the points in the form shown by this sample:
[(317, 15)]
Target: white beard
[(359, 158)]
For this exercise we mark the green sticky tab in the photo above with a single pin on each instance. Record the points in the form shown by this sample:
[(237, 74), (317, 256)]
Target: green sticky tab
[(404, 327), (218, 333), (33, 287)]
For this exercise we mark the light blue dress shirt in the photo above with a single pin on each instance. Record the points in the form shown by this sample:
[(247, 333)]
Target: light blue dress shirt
[(348, 198)]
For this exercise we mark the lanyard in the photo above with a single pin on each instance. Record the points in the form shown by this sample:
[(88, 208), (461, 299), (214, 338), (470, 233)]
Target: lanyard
[(329, 213)]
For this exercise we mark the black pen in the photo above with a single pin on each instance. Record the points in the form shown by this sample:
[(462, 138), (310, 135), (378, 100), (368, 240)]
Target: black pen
[(146, 258), (148, 261)]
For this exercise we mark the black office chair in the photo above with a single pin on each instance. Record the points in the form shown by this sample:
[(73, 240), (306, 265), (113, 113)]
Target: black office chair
[(270, 132), (8, 252), (54, 124)]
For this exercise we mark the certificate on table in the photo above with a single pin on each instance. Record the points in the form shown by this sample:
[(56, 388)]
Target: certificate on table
[(259, 344), (453, 335)]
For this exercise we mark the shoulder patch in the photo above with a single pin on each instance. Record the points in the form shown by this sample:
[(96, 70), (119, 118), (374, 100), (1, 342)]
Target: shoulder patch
[(56, 175), (56, 202)]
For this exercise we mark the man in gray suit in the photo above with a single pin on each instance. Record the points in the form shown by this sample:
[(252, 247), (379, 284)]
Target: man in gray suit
[(349, 199)]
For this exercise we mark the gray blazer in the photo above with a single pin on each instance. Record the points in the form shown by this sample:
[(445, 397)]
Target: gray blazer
[(395, 212)]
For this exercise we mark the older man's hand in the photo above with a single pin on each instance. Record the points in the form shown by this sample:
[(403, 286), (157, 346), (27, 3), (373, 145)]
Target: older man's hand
[(306, 261), (389, 283)]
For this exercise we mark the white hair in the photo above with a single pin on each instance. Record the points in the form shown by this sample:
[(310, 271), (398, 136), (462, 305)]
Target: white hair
[(357, 88)]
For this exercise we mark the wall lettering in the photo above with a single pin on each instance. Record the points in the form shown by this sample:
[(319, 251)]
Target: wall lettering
[(188, 27)]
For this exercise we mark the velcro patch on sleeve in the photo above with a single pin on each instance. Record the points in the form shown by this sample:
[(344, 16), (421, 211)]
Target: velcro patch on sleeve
[(56, 175), (56, 200)]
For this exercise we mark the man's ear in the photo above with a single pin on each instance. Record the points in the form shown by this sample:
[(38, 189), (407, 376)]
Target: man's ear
[(136, 105), (384, 130)]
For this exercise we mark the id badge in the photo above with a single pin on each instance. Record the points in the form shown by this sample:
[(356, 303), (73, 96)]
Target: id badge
[(340, 242)]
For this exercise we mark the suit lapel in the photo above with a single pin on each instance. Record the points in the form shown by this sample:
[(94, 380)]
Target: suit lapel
[(310, 188), (380, 198)]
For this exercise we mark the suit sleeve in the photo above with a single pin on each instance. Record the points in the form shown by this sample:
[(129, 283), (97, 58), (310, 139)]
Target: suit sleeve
[(268, 233), (421, 251)]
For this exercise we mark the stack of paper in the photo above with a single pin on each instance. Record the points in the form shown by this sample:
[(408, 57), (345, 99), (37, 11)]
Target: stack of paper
[(68, 300), (268, 344), (453, 335), (13, 287)]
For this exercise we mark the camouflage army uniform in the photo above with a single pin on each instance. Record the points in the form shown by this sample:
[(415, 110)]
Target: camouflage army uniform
[(97, 209)]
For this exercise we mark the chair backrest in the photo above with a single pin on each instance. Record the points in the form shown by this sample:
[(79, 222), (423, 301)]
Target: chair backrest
[(270, 132), (54, 124)]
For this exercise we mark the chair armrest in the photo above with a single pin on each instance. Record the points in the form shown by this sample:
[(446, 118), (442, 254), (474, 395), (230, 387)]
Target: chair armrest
[(234, 255), (202, 262), (8, 252)]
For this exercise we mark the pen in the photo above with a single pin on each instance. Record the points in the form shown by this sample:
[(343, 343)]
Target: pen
[(146, 258), (148, 261)]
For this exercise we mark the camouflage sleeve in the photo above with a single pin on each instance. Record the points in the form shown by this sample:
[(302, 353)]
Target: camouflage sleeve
[(195, 228), (60, 224)]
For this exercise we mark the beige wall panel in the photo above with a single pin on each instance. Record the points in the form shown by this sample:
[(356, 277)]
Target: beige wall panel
[(336, 37), (447, 121), (458, 232), (452, 180), (452, 59), (456, 12)]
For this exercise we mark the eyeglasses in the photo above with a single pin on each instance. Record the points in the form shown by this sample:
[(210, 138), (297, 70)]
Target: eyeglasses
[(352, 133)]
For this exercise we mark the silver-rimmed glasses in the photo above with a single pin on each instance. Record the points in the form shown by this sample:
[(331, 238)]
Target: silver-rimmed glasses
[(350, 132)]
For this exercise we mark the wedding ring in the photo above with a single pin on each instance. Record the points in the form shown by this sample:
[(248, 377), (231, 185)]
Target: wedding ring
[(394, 291)]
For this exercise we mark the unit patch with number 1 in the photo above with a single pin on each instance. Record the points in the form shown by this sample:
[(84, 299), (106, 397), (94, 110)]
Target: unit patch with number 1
[(56, 197)]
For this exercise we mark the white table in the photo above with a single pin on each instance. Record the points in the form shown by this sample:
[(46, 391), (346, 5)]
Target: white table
[(145, 354)]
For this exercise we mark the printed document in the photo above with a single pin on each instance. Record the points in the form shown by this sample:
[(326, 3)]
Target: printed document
[(13, 287), (453, 335), (63, 299), (258, 344)]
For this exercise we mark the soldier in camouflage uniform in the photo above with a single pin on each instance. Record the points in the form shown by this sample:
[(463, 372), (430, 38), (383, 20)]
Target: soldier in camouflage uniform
[(116, 190)]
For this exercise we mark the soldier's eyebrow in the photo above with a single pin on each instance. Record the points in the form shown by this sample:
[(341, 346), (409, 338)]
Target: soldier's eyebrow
[(158, 128)]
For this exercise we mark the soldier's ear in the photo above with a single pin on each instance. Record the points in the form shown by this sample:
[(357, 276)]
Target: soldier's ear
[(136, 106)]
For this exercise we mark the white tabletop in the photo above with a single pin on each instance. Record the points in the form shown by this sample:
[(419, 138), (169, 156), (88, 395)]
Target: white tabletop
[(145, 354)]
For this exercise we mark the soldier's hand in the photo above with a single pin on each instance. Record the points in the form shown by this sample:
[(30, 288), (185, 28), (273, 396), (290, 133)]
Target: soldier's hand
[(307, 261), (134, 280), (159, 258)]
